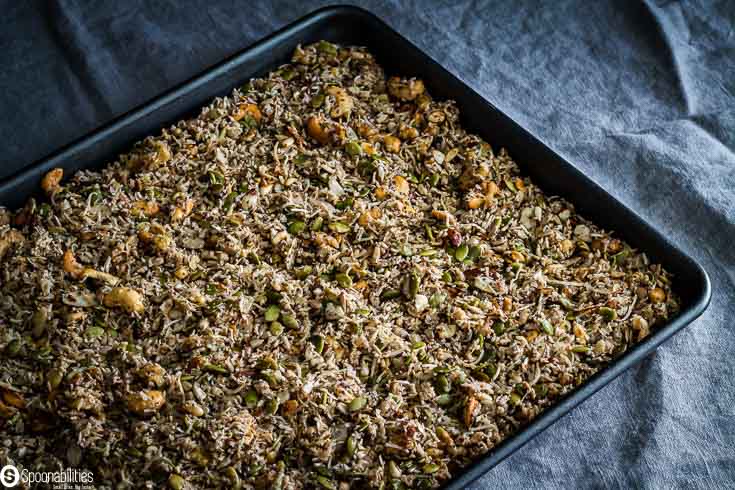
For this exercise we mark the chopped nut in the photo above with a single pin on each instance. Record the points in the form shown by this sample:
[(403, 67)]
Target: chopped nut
[(146, 402), (51, 181), (315, 130), (144, 208), (641, 325), (475, 202), (153, 373), (248, 111), (10, 238), (402, 184), (406, 132), (343, 102), (180, 212), (126, 298), (392, 144), (192, 408), (100, 276), (405, 89), (369, 216), (657, 295)]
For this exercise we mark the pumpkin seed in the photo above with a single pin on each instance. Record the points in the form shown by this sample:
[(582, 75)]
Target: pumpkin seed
[(296, 227), (357, 404), (272, 313), (461, 252)]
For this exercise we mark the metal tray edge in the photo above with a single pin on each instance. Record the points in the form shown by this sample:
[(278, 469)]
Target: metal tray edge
[(483, 464)]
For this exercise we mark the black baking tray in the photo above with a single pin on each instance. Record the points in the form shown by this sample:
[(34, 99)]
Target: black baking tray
[(397, 55)]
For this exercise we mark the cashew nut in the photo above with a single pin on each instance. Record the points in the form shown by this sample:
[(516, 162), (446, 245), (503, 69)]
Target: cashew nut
[(126, 298)]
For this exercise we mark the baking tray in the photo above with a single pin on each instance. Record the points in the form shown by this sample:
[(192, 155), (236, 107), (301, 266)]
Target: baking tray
[(397, 55)]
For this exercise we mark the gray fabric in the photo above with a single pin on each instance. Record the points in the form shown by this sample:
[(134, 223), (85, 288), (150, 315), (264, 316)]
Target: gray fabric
[(640, 96)]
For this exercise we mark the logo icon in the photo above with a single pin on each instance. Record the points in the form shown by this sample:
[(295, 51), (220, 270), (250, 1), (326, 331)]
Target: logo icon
[(9, 476)]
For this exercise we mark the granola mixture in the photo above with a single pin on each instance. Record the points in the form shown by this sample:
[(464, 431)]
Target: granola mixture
[(320, 281)]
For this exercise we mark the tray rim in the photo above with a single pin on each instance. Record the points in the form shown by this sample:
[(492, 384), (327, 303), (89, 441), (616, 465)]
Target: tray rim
[(492, 458)]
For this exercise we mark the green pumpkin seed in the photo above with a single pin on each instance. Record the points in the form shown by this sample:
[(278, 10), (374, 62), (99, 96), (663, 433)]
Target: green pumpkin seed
[(357, 404), (272, 313), (436, 299), (608, 313), (447, 276), (272, 406), (317, 100), (303, 272), (176, 482), (541, 390), (389, 294), (429, 233), (296, 227), (499, 328), (474, 252), (351, 446), (547, 327), (461, 252), (251, 398), (515, 399), (434, 179), (353, 148), (444, 400), (316, 225), (276, 328), (229, 201), (443, 385), (38, 322), (431, 468), (339, 227), (289, 321), (318, 342), (326, 48), (344, 204), (13, 348), (411, 285), (54, 378), (94, 332), (326, 482), (215, 368), (343, 280), (231, 474)]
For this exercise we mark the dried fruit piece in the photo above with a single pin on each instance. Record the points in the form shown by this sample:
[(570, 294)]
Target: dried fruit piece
[(70, 265)]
